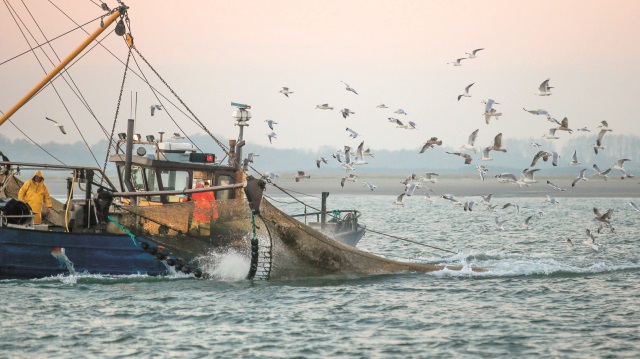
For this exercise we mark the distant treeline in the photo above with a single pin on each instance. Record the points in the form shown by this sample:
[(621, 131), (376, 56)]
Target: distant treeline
[(518, 157)]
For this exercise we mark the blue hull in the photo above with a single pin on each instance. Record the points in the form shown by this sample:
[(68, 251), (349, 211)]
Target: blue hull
[(28, 254)]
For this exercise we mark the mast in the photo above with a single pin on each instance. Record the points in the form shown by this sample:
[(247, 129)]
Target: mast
[(116, 13)]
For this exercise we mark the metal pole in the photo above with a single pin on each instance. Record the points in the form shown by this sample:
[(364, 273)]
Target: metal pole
[(60, 66), (323, 209)]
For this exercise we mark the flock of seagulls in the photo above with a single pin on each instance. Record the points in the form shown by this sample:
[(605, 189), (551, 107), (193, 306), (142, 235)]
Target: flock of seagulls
[(349, 160)]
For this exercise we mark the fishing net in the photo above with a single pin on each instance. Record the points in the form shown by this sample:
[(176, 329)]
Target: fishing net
[(191, 230)]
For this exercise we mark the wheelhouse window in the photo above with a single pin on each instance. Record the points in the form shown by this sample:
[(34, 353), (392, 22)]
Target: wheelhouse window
[(174, 180), (223, 180)]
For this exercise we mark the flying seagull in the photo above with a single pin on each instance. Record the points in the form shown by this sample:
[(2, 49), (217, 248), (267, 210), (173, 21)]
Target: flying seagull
[(471, 142), (61, 127), (602, 174), (400, 112), (351, 177), (154, 108), (271, 135), (555, 186), (564, 125), (398, 200), (544, 89), (270, 123), (177, 136), (300, 175), (346, 112), (472, 54), (382, 106), (466, 156), (466, 92), (604, 218), (580, 177), (431, 143), (285, 91), (352, 133), (324, 106), (537, 112), (574, 159), (319, 160), (551, 135), (457, 61), (634, 206), (349, 88)]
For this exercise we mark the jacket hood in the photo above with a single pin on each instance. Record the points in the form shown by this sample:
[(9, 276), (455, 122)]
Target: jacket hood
[(38, 174)]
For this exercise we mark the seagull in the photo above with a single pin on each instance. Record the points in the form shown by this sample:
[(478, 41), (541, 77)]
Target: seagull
[(410, 187), (270, 123), (482, 170), (381, 106), (349, 88), (584, 129), (177, 136), (591, 242), (466, 156), (537, 112), (555, 186), (410, 178), (468, 205), (429, 177), (452, 198), (270, 175), (604, 126), (493, 112), (487, 199), (399, 200), (499, 224), (598, 145), (371, 186), (472, 54), (285, 91), (551, 135), (271, 135), (528, 175), (153, 109), (367, 152), (507, 205), (55, 123), (599, 173), (485, 154), (471, 142), (491, 208), (553, 120), (580, 177), (541, 154), (351, 177), (634, 206), (535, 144), (324, 106), (431, 143), (554, 158), (574, 159), (526, 222), (506, 178), (359, 156), (250, 156), (552, 200), (352, 133), (300, 176), (412, 126), (457, 62), (319, 160), (346, 112), (619, 165), (544, 89), (497, 144), (400, 112), (604, 218), (564, 125), (466, 92)]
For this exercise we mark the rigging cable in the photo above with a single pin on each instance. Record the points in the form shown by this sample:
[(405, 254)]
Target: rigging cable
[(12, 12), (34, 142), (222, 146)]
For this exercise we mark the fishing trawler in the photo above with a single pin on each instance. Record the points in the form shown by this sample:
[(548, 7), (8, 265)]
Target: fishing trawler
[(150, 221)]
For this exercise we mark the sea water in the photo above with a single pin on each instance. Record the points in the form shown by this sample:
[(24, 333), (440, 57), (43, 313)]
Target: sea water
[(539, 297)]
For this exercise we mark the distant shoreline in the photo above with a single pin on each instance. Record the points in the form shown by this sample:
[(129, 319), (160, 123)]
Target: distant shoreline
[(456, 184)]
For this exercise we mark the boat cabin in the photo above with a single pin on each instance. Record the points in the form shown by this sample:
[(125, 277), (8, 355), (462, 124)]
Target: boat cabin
[(171, 166)]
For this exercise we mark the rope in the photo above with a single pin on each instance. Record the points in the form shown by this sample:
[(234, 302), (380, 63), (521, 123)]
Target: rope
[(222, 146), (133, 236), (410, 241), (115, 118)]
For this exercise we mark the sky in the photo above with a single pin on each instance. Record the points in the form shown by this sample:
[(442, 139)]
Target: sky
[(391, 52)]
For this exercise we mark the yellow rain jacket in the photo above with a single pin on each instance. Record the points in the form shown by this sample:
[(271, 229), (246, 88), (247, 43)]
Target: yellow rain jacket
[(35, 194)]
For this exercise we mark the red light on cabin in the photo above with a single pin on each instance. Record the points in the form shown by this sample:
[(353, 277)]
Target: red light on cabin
[(210, 157)]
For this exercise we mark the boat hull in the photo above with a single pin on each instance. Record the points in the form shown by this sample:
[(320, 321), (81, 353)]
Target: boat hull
[(29, 254)]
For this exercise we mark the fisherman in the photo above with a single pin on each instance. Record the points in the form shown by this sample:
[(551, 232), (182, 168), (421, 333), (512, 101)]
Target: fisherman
[(35, 193), (205, 209)]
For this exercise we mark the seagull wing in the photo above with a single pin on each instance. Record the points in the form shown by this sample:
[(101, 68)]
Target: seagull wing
[(472, 137), (497, 141), (544, 86)]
